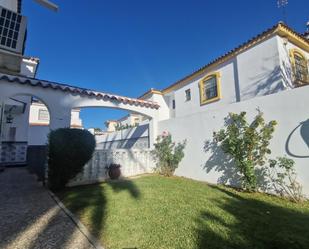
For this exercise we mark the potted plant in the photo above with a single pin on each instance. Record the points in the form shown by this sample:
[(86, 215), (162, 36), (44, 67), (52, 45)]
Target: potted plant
[(114, 170)]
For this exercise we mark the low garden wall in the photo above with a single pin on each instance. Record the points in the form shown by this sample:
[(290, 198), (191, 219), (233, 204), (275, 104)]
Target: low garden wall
[(130, 138), (133, 162)]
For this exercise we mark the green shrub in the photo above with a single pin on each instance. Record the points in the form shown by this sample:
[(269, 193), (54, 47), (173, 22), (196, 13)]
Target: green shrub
[(247, 143), (68, 151), (167, 154), (284, 178)]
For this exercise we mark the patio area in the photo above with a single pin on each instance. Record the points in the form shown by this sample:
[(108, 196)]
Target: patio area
[(30, 218)]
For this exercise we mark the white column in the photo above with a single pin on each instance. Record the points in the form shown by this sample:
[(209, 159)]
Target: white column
[(153, 132), (60, 117)]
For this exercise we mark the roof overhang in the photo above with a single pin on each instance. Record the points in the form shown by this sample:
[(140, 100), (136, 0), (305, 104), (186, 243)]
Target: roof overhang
[(76, 90), (279, 29)]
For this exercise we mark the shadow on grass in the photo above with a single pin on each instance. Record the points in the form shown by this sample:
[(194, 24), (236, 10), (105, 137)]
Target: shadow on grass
[(125, 185), (250, 223), (91, 200)]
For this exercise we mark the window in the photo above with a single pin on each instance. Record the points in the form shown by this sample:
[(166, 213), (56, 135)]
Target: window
[(9, 27), (43, 114), (300, 67), (174, 104), (136, 121), (188, 94), (210, 88)]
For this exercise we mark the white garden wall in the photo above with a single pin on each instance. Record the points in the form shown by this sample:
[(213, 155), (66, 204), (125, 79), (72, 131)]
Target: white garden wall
[(133, 162), (290, 108), (136, 137)]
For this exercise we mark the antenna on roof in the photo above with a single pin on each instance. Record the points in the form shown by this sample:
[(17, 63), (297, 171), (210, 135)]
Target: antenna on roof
[(282, 4)]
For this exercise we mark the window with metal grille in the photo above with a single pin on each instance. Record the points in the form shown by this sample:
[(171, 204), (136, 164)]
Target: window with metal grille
[(174, 104), (210, 87), (188, 94), (9, 28), (301, 68), (43, 115)]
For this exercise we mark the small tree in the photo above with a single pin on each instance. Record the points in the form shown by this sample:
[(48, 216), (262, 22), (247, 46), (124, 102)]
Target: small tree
[(247, 144), (168, 154), (97, 129), (284, 178), (68, 151)]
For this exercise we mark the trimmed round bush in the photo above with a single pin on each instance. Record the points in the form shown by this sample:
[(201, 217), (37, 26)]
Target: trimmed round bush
[(68, 151)]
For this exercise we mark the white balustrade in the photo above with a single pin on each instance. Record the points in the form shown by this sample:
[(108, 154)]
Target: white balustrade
[(133, 162)]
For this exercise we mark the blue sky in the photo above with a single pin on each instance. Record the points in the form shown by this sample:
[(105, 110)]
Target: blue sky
[(128, 46)]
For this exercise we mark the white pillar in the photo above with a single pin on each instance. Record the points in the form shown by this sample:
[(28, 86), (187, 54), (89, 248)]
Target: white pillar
[(153, 132), (60, 117)]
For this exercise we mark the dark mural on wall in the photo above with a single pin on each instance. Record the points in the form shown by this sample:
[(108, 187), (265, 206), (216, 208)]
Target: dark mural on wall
[(303, 128)]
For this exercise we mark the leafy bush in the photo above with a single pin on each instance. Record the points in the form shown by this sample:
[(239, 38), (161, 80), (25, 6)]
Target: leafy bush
[(283, 177), (247, 144), (68, 151), (168, 154)]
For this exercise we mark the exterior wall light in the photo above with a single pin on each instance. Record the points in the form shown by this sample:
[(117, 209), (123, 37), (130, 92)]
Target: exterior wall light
[(9, 119)]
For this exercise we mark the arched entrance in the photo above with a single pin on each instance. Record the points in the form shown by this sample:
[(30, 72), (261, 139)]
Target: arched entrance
[(24, 122), (61, 99)]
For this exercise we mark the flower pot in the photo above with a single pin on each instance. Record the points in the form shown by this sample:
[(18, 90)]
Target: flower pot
[(114, 171)]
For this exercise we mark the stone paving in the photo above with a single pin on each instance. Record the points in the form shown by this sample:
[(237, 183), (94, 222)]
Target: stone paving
[(30, 218)]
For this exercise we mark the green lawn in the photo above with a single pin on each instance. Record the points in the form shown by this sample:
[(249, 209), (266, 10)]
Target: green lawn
[(157, 212)]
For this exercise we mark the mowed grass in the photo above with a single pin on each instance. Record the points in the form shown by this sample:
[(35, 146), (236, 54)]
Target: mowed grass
[(158, 212)]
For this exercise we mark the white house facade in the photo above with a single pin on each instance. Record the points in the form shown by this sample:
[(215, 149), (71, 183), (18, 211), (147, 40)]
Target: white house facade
[(60, 104), (39, 115), (269, 72)]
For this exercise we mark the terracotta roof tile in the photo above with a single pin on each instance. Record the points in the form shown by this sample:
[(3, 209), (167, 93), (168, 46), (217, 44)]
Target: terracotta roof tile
[(77, 90), (234, 51)]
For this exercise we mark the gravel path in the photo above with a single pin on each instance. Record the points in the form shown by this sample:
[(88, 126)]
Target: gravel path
[(30, 218)]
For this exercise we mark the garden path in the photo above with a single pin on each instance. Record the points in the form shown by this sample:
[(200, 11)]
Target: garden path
[(30, 218)]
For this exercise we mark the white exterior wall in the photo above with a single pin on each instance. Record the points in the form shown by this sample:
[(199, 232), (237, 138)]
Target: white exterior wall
[(130, 119), (133, 162), (34, 116), (20, 122), (164, 103), (259, 70), (184, 107), (9, 4), (126, 121), (110, 126), (28, 67), (254, 72), (135, 132), (75, 118), (37, 135), (39, 129), (285, 62), (289, 108)]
